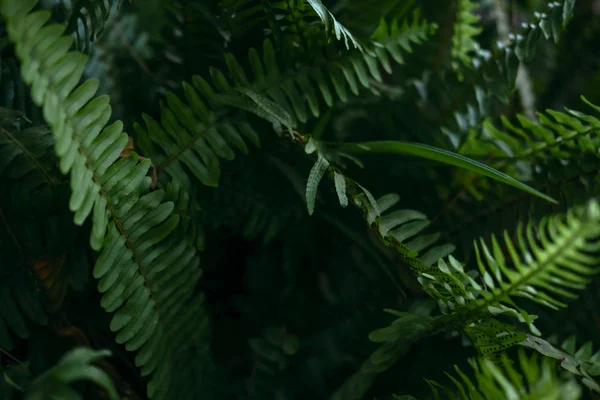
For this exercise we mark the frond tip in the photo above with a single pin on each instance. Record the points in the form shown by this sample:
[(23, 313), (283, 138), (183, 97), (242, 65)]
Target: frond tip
[(550, 262), (331, 24)]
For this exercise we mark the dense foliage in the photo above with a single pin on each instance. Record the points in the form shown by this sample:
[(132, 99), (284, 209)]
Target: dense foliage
[(244, 199)]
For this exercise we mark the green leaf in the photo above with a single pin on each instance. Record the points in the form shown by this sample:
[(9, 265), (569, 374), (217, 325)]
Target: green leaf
[(443, 156), (273, 111), (74, 366), (340, 188), (372, 201), (332, 24), (315, 176)]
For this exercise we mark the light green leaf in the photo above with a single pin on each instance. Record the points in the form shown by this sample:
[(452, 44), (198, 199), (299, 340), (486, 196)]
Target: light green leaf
[(315, 176), (332, 24), (272, 110), (374, 205), (340, 188), (443, 156)]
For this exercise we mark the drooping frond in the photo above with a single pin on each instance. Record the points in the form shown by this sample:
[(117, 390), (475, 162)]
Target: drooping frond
[(400, 229), (147, 274)]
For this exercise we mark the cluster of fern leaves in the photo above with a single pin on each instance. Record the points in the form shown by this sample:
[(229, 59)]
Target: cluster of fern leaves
[(299, 199)]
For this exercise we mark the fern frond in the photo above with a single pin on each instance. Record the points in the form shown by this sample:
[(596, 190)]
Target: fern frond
[(554, 261), (332, 25), (584, 354), (147, 276), (61, 107), (550, 262), (403, 231), (464, 43), (397, 37), (42, 253), (533, 380), (580, 362), (87, 20), (460, 105), (558, 152), (74, 366), (190, 138), (491, 337), (563, 136)]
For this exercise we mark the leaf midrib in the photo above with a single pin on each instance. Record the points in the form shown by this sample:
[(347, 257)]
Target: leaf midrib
[(500, 293)]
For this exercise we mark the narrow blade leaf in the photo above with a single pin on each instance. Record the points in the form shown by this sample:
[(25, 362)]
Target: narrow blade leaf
[(443, 156)]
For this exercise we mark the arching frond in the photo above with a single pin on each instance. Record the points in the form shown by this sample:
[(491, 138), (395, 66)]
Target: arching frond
[(147, 276), (191, 138), (549, 263)]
